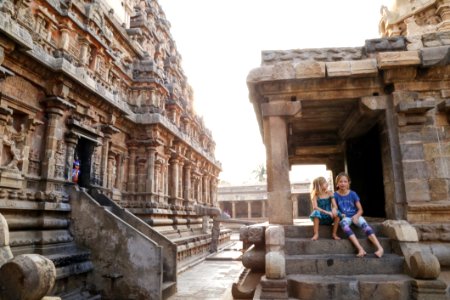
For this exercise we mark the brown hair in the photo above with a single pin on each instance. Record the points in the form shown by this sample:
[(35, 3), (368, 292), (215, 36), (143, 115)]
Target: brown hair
[(338, 177)]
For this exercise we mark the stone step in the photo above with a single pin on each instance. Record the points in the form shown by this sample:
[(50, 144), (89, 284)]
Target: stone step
[(69, 257), (344, 264), (79, 294), (303, 246), (306, 231), (354, 287), (169, 288)]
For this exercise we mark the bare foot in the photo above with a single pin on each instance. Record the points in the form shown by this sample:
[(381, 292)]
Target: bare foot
[(315, 237), (379, 253), (335, 237), (361, 253)]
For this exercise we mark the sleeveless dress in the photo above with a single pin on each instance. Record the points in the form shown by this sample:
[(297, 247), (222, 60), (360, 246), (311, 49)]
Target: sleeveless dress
[(325, 204)]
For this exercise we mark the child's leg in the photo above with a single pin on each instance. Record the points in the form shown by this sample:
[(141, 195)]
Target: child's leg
[(345, 225), (335, 228), (371, 236), (315, 229), (380, 251), (355, 242)]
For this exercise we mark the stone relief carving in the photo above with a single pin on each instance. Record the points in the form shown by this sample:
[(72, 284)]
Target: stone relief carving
[(60, 158), (14, 141)]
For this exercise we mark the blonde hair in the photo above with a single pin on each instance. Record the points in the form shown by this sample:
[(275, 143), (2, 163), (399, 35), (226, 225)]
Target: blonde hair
[(339, 176), (316, 185)]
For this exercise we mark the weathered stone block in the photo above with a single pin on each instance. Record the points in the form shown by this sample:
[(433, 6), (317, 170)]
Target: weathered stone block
[(263, 73), (440, 189), (256, 234), (439, 56), (388, 60), (401, 231), (412, 151), (439, 167), (254, 258), (365, 67), (275, 238), (424, 266), (4, 232), (27, 277), (415, 169), (275, 265), (434, 150), (395, 289), (309, 69), (338, 68), (283, 71), (417, 190), (386, 44)]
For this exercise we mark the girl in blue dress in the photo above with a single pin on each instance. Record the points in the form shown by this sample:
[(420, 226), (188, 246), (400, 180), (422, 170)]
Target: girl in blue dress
[(351, 208), (324, 207)]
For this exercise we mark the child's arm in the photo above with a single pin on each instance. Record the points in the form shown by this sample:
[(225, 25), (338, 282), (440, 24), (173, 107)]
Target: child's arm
[(334, 207), (359, 213)]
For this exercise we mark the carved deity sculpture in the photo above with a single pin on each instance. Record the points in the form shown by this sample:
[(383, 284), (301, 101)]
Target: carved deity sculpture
[(14, 141)]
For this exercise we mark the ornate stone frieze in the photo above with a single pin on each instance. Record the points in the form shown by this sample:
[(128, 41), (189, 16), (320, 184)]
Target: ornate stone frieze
[(322, 55)]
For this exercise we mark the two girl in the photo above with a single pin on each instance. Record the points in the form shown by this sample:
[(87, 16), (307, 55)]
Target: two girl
[(350, 212), (324, 207)]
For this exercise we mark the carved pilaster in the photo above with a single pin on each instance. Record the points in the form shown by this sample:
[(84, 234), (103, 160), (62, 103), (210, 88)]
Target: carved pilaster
[(187, 183), (132, 169), (55, 108), (150, 169), (71, 142), (443, 9)]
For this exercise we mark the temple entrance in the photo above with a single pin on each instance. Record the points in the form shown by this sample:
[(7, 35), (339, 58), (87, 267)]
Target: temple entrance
[(365, 169), (83, 154)]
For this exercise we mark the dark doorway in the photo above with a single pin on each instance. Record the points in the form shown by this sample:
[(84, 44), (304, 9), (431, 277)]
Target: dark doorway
[(366, 172), (83, 153)]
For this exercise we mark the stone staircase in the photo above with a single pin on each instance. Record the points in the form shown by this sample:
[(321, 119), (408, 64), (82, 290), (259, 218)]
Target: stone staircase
[(329, 269)]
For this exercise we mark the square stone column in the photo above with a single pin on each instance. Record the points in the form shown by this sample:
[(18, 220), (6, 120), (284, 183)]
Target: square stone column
[(275, 139)]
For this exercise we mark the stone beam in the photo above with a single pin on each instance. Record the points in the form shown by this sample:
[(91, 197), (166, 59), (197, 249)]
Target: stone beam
[(281, 109), (363, 117)]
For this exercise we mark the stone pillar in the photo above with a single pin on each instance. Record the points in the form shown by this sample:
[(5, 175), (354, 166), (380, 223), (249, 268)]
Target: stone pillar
[(71, 142), (84, 52), (249, 209), (187, 184), (173, 188), (264, 209), (55, 108), (104, 160), (275, 140), (123, 178), (111, 170), (180, 179), (149, 188), (132, 169), (205, 189), (166, 179), (65, 39), (233, 208), (141, 175), (444, 12), (119, 173)]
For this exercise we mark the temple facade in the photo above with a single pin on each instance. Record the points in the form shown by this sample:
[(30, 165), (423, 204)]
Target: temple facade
[(96, 116)]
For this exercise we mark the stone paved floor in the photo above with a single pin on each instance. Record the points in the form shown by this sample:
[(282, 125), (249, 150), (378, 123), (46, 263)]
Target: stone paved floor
[(211, 279)]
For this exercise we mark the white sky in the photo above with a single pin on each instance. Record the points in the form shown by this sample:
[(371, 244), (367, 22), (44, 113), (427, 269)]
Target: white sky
[(221, 41)]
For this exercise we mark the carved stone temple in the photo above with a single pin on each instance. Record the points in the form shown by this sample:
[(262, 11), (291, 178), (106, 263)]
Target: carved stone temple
[(108, 179), (380, 112)]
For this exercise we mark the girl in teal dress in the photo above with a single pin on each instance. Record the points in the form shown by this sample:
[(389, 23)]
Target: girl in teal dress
[(324, 207)]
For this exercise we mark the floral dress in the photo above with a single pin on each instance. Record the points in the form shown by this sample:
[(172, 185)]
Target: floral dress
[(325, 204)]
